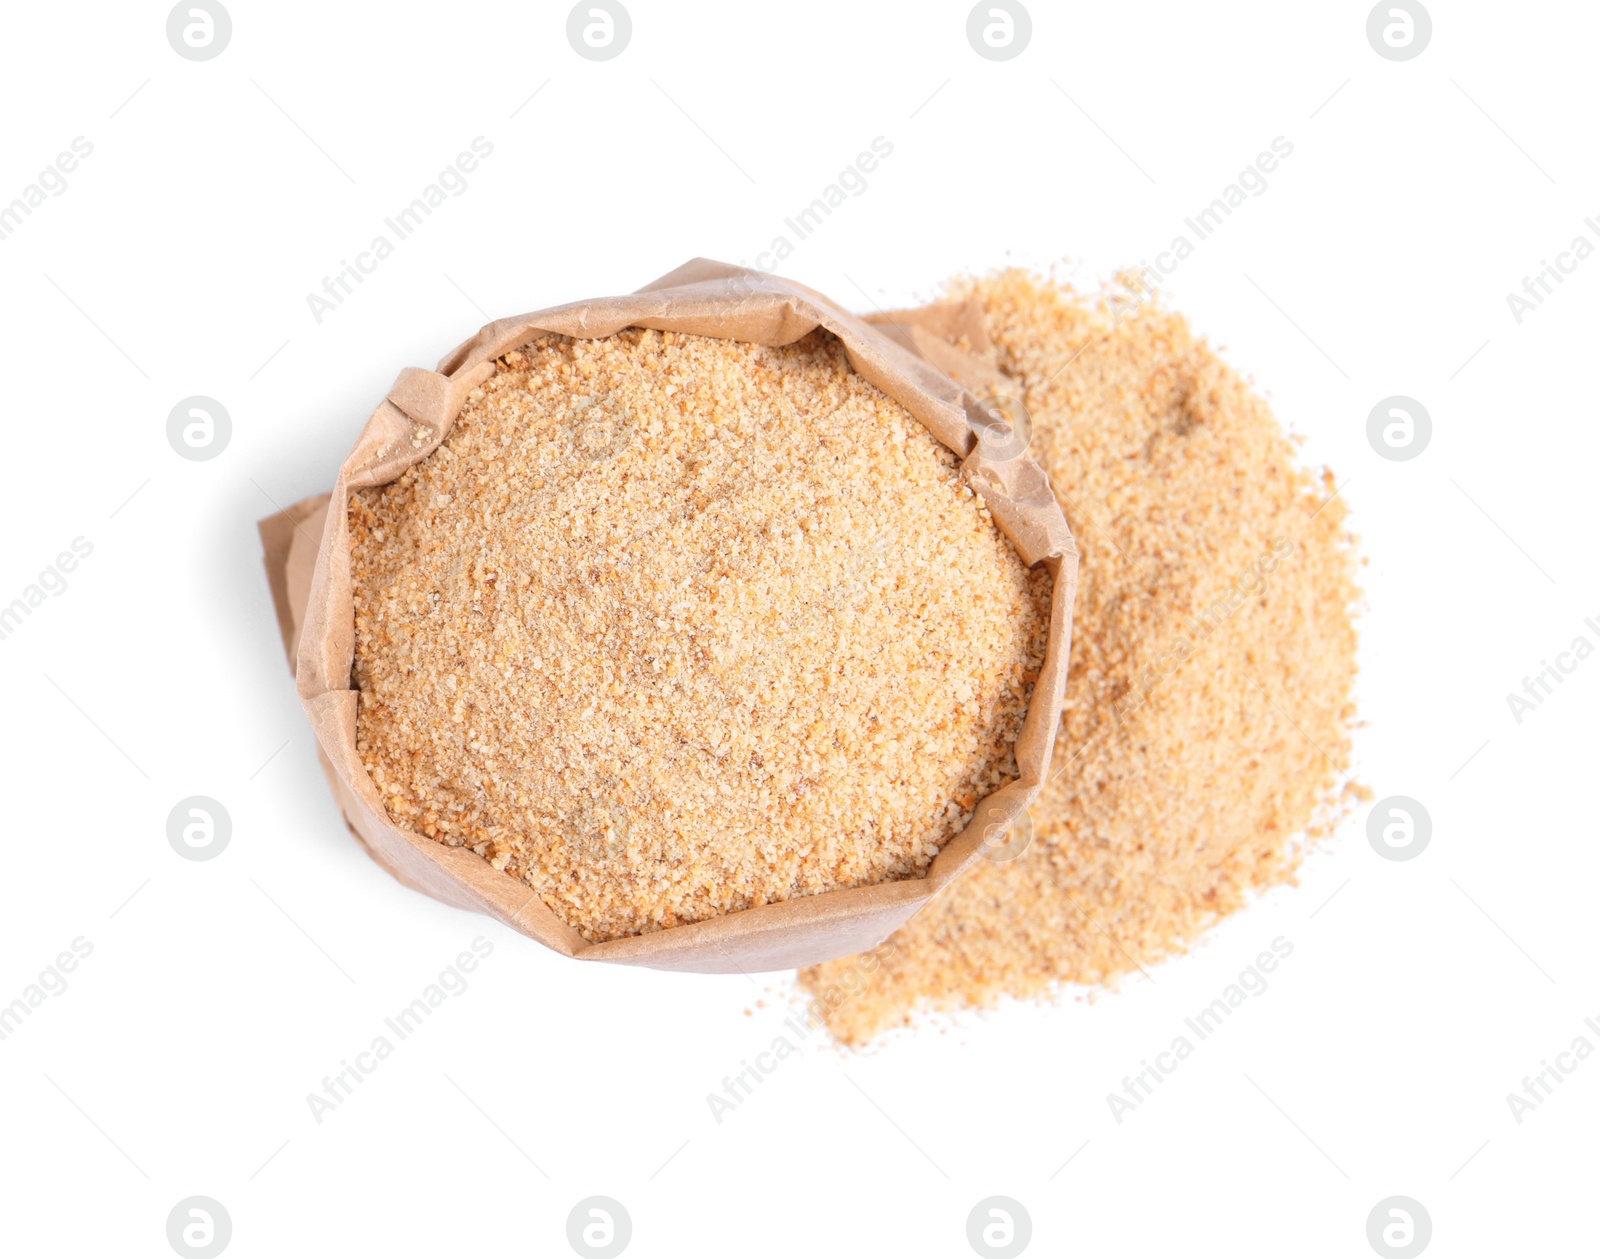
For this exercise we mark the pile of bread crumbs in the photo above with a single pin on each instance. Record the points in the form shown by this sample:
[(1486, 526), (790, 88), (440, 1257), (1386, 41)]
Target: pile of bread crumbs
[(671, 626), (1206, 735)]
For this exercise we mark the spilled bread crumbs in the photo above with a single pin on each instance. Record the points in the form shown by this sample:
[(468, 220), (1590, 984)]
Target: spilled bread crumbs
[(671, 626), (1206, 731)]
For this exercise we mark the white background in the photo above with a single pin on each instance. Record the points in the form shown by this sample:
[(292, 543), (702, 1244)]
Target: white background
[(177, 262)]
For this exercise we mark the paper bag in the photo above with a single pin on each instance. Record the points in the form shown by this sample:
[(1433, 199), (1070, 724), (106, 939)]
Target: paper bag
[(308, 565)]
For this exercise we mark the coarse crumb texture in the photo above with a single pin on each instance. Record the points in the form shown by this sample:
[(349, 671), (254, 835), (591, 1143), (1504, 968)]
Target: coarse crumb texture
[(671, 626), (1206, 730)]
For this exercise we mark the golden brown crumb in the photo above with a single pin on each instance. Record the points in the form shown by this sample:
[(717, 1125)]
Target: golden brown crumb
[(1206, 726), (671, 626)]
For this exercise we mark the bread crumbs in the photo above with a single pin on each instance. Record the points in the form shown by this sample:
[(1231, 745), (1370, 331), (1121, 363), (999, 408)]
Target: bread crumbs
[(1206, 727), (671, 626)]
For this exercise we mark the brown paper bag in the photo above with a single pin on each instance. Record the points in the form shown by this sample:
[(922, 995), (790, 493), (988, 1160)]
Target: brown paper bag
[(308, 564)]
